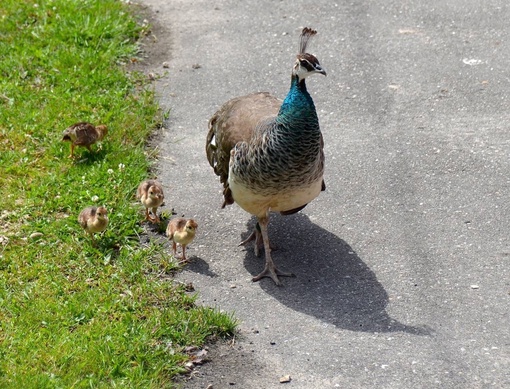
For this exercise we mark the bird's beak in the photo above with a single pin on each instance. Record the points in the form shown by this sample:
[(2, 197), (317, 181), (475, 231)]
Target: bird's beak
[(321, 70)]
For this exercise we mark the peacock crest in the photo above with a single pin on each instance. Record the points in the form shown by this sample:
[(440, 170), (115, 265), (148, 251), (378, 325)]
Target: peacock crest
[(305, 36)]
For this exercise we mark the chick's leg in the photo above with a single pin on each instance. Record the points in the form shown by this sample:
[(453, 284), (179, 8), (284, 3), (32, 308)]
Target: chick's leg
[(183, 259), (92, 239), (155, 213), (270, 270)]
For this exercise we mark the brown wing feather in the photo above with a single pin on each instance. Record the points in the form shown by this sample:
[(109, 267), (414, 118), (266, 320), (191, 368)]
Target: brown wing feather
[(86, 134), (81, 134), (175, 224), (85, 215), (142, 189), (234, 122)]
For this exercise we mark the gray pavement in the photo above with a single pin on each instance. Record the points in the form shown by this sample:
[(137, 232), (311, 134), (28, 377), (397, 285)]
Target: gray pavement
[(403, 263)]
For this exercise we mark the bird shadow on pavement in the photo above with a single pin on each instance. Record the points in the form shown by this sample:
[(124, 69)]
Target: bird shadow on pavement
[(332, 283), (198, 265)]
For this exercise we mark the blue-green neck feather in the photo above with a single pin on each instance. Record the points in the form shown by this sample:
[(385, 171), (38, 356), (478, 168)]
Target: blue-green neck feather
[(298, 104)]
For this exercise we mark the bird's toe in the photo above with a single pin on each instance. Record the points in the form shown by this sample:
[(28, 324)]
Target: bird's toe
[(272, 272), (257, 237)]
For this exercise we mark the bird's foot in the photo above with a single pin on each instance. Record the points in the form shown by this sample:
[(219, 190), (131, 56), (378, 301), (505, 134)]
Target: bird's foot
[(153, 219), (273, 272), (257, 237), (182, 261)]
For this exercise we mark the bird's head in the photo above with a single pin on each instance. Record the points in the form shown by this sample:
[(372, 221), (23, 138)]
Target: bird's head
[(102, 213), (155, 193), (68, 135), (102, 131), (191, 225), (306, 64)]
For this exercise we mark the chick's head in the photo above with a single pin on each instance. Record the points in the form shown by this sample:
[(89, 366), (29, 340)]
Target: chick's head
[(102, 213), (191, 225), (156, 193), (102, 131)]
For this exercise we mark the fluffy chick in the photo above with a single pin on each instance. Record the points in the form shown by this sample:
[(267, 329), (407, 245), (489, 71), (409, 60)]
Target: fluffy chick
[(84, 134), (93, 220), (181, 231), (150, 193)]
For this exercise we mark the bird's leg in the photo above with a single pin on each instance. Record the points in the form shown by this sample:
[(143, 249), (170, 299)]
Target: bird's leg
[(147, 216), (89, 148), (183, 259), (156, 217), (174, 246), (257, 237), (94, 244), (270, 270), (72, 151)]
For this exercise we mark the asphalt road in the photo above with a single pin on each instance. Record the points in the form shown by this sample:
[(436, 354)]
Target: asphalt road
[(403, 263)]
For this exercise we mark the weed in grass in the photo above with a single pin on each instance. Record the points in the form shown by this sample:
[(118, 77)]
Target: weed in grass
[(74, 315)]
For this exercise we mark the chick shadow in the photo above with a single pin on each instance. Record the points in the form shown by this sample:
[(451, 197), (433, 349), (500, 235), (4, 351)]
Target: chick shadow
[(332, 283), (200, 266), (84, 157)]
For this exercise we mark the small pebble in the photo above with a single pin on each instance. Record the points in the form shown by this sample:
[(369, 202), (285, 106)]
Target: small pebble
[(475, 287), (35, 235), (285, 378)]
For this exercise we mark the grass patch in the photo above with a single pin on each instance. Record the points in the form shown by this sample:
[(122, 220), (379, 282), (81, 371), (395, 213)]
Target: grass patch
[(74, 315)]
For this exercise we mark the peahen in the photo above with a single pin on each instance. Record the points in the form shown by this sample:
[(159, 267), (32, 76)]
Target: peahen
[(268, 153)]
